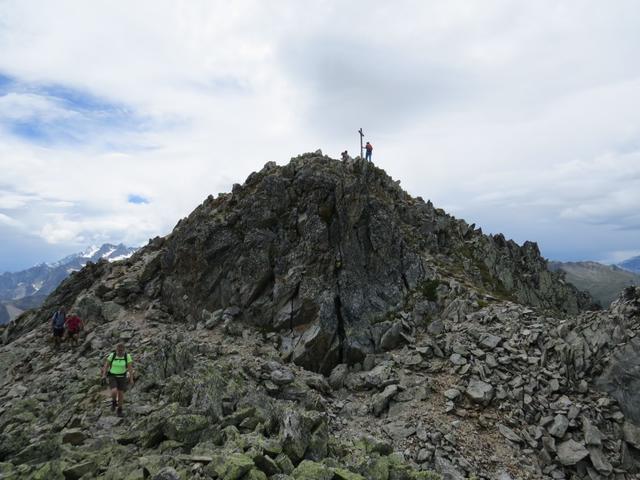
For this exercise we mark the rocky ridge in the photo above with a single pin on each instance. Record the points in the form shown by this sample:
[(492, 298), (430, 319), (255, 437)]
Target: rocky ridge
[(318, 322), (20, 291), (603, 282)]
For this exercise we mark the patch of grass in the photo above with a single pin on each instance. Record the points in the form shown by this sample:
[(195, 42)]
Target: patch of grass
[(429, 289)]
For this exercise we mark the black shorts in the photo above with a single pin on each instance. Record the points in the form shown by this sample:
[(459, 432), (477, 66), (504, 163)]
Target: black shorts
[(72, 333), (119, 382), (58, 332)]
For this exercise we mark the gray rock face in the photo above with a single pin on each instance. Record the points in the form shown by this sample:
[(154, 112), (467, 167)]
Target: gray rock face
[(317, 250), (490, 341), (559, 427), (334, 268), (571, 452), (480, 392), (509, 434), (631, 434), (380, 401), (167, 473)]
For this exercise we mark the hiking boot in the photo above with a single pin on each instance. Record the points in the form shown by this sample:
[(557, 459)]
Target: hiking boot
[(119, 412), (113, 405)]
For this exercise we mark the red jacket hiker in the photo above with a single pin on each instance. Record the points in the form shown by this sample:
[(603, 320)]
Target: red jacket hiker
[(74, 324)]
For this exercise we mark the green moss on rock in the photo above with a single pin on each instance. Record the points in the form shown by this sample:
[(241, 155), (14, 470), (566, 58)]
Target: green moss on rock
[(48, 471), (255, 474), (185, 428), (232, 467), (309, 470), (342, 474)]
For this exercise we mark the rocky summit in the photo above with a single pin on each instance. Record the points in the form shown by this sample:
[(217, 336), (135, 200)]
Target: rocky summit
[(318, 322)]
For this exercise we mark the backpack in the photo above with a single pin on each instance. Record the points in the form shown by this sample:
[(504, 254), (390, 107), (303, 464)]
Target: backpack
[(113, 357), (58, 319)]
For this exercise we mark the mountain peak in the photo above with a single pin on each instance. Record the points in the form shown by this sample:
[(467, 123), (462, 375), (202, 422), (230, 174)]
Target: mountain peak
[(631, 264), (320, 250), (28, 288), (320, 315)]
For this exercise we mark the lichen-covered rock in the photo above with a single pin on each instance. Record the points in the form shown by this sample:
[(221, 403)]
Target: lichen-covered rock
[(302, 434), (232, 467), (185, 428), (78, 470), (333, 268), (309, 470)]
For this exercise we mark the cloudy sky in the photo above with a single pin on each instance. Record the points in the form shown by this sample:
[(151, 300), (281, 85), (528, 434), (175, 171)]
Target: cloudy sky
[(118, 118)]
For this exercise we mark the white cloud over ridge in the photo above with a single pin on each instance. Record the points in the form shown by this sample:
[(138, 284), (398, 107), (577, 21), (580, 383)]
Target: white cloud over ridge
[(523, 117)]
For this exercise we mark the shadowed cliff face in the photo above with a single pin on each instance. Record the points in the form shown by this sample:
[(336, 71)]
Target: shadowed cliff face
[(321, 252), (315, 249)]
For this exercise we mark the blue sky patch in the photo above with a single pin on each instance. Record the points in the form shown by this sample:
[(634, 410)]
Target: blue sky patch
[(137, 199), (68, 115)]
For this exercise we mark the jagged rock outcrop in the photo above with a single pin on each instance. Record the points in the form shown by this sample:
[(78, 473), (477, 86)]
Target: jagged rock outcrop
[(318, 322), (320, 251)]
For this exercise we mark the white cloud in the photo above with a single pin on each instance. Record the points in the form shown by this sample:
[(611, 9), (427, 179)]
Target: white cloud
[(8, 221), (619, 256), (27, 106), (523, 117)]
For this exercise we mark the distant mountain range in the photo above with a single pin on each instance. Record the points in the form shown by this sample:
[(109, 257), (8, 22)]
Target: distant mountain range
[(603, 282), (26, 289), (632, 264)]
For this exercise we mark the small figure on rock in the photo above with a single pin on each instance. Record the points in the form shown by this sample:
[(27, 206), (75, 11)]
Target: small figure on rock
[(369, 150), (74, 326), (345, 156), (119, 368), (57, 325)]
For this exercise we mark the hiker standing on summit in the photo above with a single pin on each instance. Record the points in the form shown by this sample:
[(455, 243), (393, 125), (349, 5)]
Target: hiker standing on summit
[(118, 367), (369, 150)]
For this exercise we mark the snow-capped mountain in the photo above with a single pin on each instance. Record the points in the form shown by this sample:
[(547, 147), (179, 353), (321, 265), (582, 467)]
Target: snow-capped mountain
[(93, 254), (28, 288)]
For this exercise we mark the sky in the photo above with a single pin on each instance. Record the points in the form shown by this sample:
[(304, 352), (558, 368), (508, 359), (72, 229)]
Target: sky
[(118, 118)]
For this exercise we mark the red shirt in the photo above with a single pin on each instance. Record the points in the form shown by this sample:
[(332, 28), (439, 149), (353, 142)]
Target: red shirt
[(73, 323)]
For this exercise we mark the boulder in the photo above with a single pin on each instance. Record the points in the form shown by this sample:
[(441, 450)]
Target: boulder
[(185, 428), (74, 436), (167, 473), (74, 472), (631, 433), (509, 434), (309, 470), (571, 452), (559, 426), (480, 392), (232, 467), (337, 376), (380, 401), (489, 341), (282, 377)]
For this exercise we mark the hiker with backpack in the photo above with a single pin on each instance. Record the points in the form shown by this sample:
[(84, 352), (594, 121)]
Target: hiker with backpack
[(57, 325), (369, 150), (119, 369), (74, 325)]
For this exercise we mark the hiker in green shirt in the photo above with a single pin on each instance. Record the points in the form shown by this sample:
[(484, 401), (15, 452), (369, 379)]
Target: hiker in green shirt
[(119, 368)]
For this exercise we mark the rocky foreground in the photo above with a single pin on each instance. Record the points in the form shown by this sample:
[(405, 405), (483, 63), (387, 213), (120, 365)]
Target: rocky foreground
[(319, 323)]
